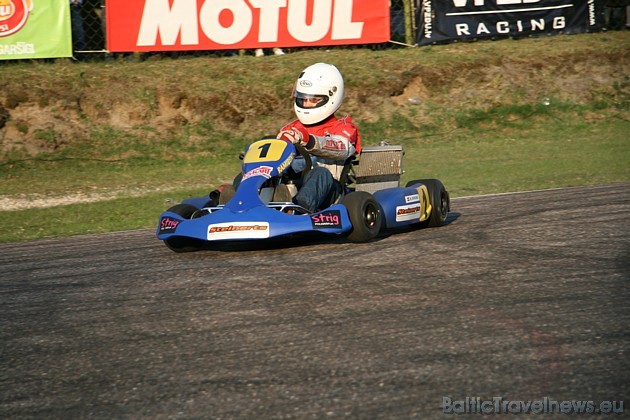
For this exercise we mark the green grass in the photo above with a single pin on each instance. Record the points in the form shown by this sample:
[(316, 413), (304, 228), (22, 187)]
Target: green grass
[(89, 218), (532, 132), (549, 153)]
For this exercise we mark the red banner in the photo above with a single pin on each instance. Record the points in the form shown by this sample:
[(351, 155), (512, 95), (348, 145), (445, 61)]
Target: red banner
[(179, 25)]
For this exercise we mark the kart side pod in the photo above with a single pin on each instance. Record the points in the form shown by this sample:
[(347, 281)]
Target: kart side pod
[(404, 206)]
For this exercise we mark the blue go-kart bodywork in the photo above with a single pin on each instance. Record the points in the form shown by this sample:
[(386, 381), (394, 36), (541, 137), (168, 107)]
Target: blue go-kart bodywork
[(252, 214)]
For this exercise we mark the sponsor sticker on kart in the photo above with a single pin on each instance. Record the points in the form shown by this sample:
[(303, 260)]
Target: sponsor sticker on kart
[(326, 219), (168, 225), (286, 163), (408, 212), (238, 230), (261, 170), (412, 198)]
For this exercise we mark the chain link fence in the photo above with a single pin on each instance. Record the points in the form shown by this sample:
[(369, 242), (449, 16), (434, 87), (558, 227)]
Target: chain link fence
[(89, 39), (403, 15)]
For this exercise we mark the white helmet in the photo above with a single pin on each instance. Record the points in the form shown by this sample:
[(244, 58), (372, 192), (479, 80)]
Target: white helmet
[(318, 93)]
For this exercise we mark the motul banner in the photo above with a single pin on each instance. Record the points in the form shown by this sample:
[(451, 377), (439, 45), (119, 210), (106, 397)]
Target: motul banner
[(451, 20), (175, 25), (35, 29)]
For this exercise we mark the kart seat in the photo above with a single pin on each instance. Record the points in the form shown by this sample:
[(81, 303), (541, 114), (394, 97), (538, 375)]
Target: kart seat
[(282, 194), (227, 193)]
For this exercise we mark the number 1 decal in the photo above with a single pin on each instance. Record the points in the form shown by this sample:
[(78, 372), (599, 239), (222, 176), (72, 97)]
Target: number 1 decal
[(265, 151)]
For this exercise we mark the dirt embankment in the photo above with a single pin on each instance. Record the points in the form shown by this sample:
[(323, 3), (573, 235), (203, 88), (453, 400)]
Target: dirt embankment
[(39, 115)]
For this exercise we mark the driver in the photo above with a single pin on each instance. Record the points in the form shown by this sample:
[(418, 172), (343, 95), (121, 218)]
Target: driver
[(318, 94)]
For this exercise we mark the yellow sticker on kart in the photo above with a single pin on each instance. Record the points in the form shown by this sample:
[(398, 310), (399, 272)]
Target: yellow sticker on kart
[(425, 203), (265, 151), (418, 206)]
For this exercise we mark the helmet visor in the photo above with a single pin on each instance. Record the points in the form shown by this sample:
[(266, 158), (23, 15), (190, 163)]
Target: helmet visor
[(307, 100)]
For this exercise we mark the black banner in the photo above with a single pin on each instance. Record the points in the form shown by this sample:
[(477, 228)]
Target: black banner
[(459, 20)]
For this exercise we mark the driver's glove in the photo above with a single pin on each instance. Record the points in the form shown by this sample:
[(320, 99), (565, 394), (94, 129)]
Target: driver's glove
[(294, 135)]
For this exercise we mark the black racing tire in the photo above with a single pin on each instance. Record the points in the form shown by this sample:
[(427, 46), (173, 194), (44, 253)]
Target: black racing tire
[(182, 243), (440, 201), (365, 215)]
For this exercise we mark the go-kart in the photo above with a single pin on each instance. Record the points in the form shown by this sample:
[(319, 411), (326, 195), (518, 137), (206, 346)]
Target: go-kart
[(370, 199)]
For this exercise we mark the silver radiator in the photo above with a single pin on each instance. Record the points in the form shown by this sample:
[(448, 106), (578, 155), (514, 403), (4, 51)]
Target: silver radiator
[(379, 167)]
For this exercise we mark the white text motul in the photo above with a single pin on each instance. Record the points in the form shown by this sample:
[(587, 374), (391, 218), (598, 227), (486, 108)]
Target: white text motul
[(182, 20)]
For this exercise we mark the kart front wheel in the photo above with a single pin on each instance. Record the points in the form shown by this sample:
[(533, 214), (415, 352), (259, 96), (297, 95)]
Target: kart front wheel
[(182, 243), (440, 201), (365, 215)]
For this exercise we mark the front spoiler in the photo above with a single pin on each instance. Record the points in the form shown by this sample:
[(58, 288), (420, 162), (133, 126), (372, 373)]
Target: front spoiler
[(260, 222)]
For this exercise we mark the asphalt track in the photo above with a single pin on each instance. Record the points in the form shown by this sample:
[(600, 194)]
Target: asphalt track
[(521, 296)]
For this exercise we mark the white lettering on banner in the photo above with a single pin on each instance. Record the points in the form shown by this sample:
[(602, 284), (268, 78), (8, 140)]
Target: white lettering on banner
[(503, 27), (159, 19), (428, 19), (296, 20), (492, 12), (269, 18), (19, 48), (209, 19), (157, 16), (342, 28), (591, 13)]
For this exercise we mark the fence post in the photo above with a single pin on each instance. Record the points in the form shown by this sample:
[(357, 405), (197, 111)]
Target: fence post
[(409, 22)]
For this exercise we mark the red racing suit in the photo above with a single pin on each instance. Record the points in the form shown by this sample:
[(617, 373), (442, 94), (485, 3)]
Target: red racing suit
[(332, 141)]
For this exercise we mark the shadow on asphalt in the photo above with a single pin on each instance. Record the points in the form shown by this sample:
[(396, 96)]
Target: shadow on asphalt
[(308, 239)]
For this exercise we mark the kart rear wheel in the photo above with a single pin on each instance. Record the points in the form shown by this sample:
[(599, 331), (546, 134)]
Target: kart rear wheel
[(365, 215), (182, 243), (440, 201)]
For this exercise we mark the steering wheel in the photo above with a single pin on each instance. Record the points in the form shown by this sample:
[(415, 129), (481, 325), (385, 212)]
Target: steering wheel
[(307, 159)]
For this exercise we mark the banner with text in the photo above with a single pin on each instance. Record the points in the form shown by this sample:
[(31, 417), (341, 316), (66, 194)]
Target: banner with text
[(35, 29), (459, 20), (179, 25)]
